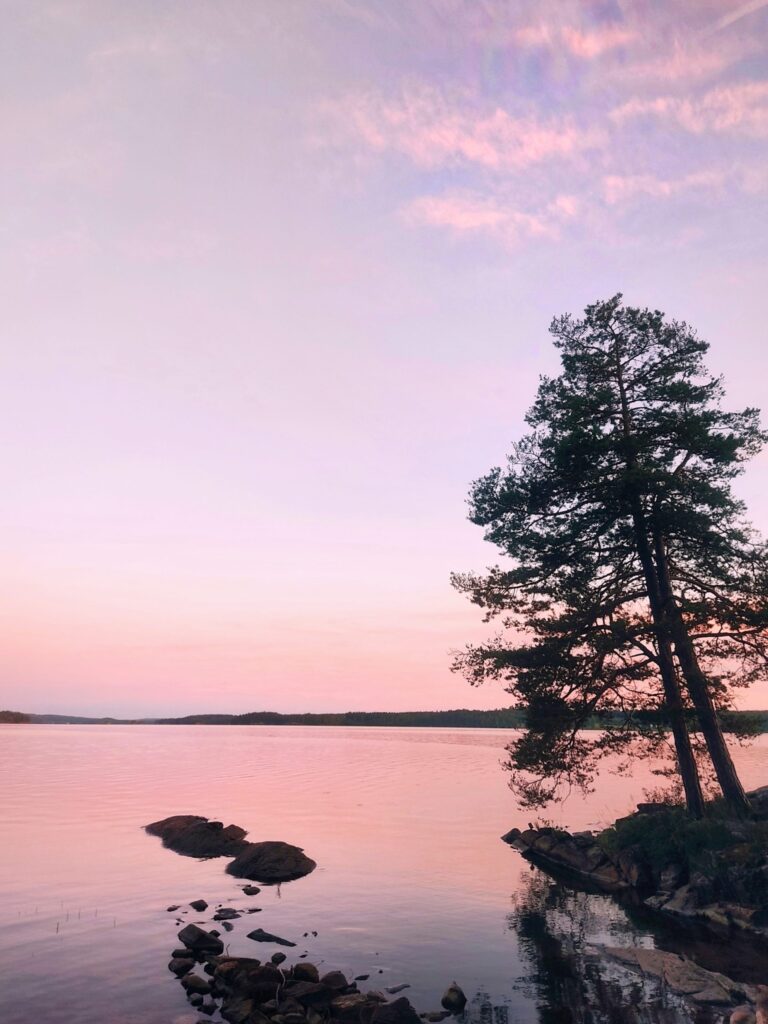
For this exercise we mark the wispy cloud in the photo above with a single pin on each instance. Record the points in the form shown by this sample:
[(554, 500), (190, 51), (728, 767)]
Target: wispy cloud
[(493, 215), (741, 12), (432, 131), (586, 44), (741, 108), (621, 188)]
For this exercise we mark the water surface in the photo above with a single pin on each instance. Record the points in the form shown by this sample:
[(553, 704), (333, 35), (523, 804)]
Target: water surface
[(413, 884)]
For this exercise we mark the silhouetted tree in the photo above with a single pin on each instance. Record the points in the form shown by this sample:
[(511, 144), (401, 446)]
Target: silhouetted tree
[(635, 583)]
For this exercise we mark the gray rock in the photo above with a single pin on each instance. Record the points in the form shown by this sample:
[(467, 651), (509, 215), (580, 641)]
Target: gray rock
[(181, 965), (335, 980), (193, 983), (271, 862), (199, 940), (278, 958), (306, 972), (194, 836), (199, 905)]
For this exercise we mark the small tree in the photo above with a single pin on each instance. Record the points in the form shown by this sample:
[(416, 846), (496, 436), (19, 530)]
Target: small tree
[(635, 588)]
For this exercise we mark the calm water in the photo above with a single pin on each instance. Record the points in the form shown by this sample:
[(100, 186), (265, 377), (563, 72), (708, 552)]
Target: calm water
[(413, 885)]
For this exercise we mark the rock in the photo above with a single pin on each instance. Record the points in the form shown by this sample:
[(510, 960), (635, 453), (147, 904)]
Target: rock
[(199, 940), (227, 926), (394, 989), (195, 999), (208, 1007), (271, 862), (199, 905), (453, 999), (246, 977), (398, 1012), (305, 972), (278, 958), (310, 993), (182, 953), (335, 980), (511, 836), (172, 909), (680, 974), (193, 983), (195, 836), (241, 1010), (353, 1008), (259, 935), (180, 966), (436, 1017), (226, 914), (251, 890)]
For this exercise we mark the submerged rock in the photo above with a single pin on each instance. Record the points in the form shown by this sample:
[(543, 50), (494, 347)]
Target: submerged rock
[(194, 836), (271, 861), (259, 935)]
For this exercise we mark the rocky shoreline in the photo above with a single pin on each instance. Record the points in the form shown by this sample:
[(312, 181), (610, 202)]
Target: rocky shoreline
[(246, 990), (670, 890)]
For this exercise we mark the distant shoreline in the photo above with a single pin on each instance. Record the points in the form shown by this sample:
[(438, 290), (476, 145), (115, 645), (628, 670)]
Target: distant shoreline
[(755, 722)]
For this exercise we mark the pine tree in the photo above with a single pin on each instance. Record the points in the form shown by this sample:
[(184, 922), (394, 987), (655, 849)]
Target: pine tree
[(635, 584)]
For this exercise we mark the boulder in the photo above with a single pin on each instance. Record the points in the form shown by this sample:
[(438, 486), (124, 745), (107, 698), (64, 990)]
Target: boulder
[(271, 861), (309, 993), (195, 836), (305, 972), (181, 966), (195, 985), (335, 980), (199, 940), (199, 905)]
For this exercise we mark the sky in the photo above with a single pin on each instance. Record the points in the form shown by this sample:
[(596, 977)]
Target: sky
[(276, 283)]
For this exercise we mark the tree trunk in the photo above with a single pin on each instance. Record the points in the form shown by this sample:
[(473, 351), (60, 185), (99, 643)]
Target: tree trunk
[(698, 688), (689, 772)]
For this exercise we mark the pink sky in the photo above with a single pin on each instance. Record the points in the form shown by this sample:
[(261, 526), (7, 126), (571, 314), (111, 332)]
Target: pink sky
[(276, 283)]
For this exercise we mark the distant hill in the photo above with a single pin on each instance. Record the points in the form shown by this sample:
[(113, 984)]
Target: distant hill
[(753, 722), (13, 718)]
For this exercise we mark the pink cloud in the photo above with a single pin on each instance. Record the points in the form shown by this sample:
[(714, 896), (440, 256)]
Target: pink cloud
[(591, 44), (621, 188), (584, 43), (465, 213), (432, 132), (741, 108)]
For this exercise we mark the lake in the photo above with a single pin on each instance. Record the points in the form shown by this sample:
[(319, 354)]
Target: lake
[(413, 885)]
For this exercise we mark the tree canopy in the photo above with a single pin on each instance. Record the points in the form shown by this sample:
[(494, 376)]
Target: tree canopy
[(632, 581)]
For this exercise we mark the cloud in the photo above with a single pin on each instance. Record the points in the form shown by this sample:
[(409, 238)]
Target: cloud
[(622, 188), (741, 108), (741, 12), (468, 213), (434, 132), (586, 44)]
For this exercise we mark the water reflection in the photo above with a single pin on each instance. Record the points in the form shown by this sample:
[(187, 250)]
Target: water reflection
[(558, 931)]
